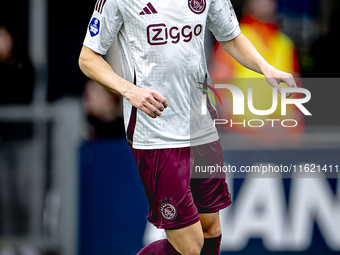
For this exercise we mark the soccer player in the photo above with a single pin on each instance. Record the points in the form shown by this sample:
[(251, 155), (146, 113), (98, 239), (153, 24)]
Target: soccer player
[(163, 62)]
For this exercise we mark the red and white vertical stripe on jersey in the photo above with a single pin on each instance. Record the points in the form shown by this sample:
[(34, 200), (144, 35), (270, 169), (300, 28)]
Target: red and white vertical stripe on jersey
[(100, 5), (133, 119)]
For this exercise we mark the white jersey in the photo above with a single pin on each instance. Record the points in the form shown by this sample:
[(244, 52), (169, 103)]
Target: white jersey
[(161, 46)]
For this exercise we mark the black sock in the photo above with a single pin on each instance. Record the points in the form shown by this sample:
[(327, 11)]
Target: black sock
[(211, 246)]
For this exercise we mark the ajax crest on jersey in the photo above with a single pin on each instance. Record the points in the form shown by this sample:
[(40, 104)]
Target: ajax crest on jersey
[(168, 211), (197, 6), (94, 27)]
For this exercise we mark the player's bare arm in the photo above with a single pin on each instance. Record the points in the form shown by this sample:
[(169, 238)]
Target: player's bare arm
[(96, 68), (245, 53)]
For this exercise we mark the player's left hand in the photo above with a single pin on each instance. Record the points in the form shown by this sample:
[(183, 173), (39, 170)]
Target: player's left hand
[(274, 77)]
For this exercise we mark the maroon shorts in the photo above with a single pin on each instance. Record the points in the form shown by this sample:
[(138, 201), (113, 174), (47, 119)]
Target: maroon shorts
[(178, 188)]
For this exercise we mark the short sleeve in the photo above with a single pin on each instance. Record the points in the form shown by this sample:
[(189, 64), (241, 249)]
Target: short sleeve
[(104, 26), (222, 20)]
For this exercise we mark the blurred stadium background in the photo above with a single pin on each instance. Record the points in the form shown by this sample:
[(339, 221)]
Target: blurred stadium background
[(68, 184)]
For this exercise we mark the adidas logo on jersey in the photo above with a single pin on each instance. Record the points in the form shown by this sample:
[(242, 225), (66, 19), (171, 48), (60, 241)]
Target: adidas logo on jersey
[(148, 9)]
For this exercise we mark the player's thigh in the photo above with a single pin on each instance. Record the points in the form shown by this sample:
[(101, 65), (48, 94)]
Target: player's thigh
[(188, 240), (211, 225), (165, 175)]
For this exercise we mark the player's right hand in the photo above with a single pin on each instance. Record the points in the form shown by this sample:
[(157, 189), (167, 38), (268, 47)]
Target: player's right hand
[(147, 100)]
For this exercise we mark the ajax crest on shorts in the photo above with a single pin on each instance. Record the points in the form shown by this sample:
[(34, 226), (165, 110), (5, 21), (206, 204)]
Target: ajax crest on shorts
[(168, 211), (94, 27), (197, 6)]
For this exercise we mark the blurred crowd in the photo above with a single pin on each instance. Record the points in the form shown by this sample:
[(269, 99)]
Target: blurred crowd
[(103, 111), (297, 37), (16, 71), (16, 84), (258, 24)]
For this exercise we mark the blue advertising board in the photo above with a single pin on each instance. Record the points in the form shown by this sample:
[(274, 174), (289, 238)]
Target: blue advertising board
[(271, 214)]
